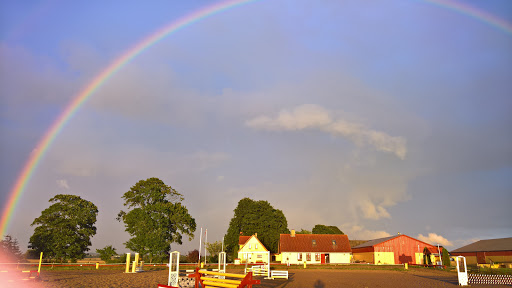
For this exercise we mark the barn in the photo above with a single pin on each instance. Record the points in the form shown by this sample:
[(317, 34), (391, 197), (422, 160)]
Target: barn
[(488, 251), (397, 249)]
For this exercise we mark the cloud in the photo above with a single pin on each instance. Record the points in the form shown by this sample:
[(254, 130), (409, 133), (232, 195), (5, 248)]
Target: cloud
[(301, 117), (358, 232), (310, 116), (63, 184), (372, 211), (433, 238)]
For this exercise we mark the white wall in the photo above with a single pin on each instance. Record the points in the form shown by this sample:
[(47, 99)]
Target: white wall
[(291, 257)]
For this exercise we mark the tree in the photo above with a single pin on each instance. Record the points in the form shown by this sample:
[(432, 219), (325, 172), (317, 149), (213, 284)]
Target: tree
[(214, 249), (303, 231), (10, 249), (446, 258), (322, 229), (107, 253), (193, 256), (155, 218), (65, 228), (256, 217)]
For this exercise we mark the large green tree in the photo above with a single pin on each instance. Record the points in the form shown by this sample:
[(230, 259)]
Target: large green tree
[(64, 229), (155, 218), (322, 229), (256, 217)]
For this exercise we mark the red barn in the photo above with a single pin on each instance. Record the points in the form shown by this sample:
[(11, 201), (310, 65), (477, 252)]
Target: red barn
[(397, 249)]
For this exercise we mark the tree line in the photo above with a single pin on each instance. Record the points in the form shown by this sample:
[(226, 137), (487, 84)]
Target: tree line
[(154, 217)]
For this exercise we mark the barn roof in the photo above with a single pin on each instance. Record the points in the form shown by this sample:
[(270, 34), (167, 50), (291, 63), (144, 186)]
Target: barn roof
[(500, 244), (314, 243), (375, 242)]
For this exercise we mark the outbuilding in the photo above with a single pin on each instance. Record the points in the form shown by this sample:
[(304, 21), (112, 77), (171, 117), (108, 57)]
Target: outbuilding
[(397, 249), (488, 251), (314, 248)]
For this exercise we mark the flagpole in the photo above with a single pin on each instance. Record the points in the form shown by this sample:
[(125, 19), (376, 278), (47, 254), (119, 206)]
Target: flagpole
[(200, 237)]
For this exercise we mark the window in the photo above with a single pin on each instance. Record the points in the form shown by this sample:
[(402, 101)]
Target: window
[(317, 257), (314, 242), (299, 257), (249, 246), (308, 256), (333, 242), (256, 246), (259, 256)]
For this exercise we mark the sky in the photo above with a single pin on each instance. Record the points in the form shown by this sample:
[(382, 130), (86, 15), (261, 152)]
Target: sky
[(378, 117)]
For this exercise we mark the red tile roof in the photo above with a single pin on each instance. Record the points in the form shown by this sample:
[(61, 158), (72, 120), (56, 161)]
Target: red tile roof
[(243, 239), (314, 243)]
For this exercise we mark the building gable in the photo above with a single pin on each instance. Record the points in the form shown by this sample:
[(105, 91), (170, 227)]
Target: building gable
[(252, 244)]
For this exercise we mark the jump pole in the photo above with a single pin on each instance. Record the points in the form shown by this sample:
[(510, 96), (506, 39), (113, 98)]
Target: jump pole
[(40, 260), (127, 270), (134, 266)]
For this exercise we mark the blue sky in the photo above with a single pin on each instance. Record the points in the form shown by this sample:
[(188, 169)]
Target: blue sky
[(381, 117)]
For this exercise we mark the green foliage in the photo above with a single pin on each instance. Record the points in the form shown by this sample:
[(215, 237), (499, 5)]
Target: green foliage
[(155, 218), (107, 253), (446, 258), (65, 228), (214, 248), (302, 231), (322, 229), (10, 249), (256, 217)]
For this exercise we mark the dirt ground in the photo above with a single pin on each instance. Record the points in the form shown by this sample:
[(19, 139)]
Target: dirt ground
[(316, 278)]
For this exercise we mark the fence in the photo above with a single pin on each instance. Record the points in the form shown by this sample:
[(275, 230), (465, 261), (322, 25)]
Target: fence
[(490, 279), (467, 279)]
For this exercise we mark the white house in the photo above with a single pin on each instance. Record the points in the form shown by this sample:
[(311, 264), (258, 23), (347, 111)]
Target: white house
[(314, 248)]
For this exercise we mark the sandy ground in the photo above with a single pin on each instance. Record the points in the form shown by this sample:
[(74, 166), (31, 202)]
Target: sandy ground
[(316, 278)]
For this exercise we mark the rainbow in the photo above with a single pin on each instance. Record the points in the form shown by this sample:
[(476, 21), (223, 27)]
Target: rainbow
[(474, 13), (117, 64), (48, 138)]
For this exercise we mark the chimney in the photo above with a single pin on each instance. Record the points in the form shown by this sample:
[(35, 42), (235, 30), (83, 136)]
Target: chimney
[(293, 233), (256, 235)]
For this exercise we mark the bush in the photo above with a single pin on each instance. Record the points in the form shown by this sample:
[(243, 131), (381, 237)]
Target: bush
[(446, 258)]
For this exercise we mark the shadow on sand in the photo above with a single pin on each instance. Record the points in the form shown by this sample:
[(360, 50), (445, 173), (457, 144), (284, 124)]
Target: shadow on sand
[(447, 279)]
